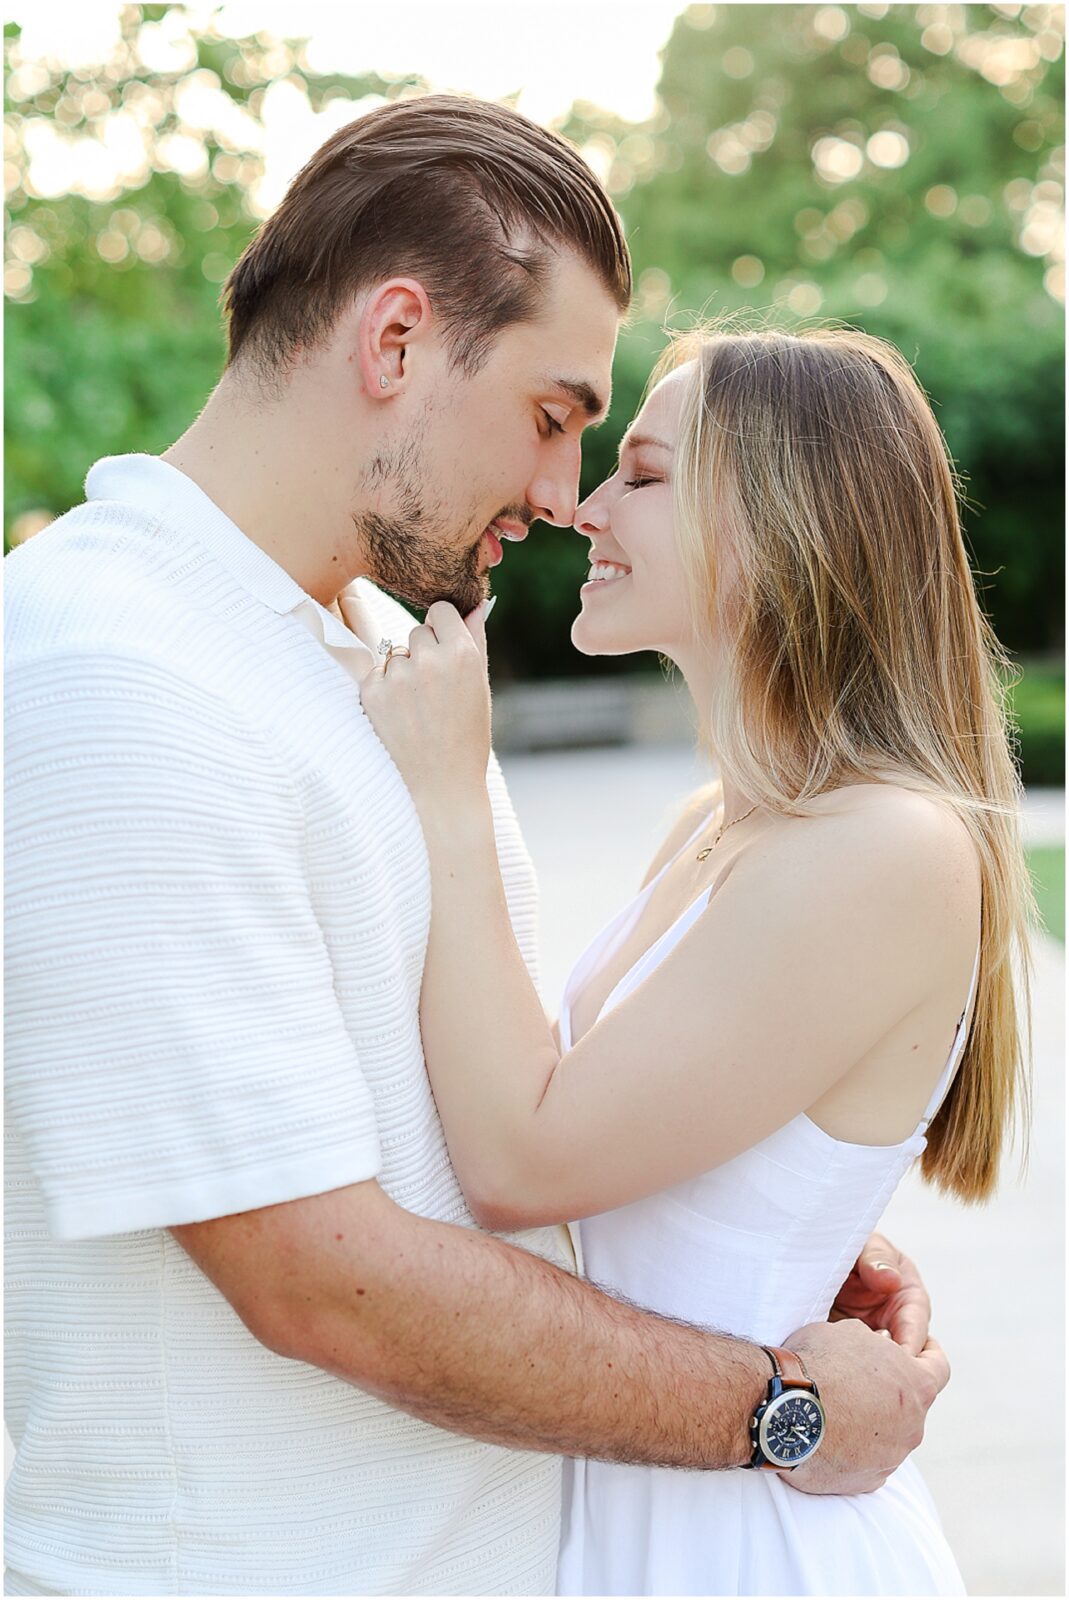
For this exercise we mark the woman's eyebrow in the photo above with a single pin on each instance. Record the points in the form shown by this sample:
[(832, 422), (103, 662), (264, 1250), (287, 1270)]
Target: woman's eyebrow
[(636, 441)]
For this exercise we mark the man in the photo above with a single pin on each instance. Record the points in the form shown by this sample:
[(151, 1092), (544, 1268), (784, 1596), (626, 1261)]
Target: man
[(258, 1344)]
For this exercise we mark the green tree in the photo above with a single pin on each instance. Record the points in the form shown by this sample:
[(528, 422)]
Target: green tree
[(897, 167), (114, 336)]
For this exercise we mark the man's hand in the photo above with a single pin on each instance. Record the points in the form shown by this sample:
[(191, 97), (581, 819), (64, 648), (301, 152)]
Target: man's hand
[(876, 1397), (886, 1292)]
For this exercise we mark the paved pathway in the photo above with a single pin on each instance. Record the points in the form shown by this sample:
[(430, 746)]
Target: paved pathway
[(1044, 816), (993, 1455)]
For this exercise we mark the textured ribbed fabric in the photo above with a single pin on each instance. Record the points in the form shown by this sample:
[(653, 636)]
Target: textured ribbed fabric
[(218, 903)]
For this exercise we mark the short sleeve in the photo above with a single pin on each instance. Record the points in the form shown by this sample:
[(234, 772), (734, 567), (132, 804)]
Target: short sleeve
[(175, 1047)]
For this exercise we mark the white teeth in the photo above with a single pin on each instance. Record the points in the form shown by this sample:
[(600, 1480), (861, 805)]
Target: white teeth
[(603, 571)]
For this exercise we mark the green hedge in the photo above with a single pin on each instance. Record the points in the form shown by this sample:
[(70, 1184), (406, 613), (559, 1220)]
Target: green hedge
[(1047, 865), (114, 339), (1039, 709)]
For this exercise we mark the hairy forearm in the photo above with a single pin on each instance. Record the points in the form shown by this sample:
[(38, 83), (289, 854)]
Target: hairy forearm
[(489, 1048), (482, 1338), (474, 1335)]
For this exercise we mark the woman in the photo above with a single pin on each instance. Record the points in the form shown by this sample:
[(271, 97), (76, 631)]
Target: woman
[(813, 987)]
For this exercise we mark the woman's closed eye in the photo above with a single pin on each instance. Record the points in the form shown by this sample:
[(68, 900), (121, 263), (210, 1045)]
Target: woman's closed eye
[(639, 483)]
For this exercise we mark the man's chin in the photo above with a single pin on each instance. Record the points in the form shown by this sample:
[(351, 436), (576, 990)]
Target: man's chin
[(465, 599)]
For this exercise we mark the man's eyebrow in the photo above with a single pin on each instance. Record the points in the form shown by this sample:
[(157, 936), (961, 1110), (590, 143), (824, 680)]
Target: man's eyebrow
[(584, 394)]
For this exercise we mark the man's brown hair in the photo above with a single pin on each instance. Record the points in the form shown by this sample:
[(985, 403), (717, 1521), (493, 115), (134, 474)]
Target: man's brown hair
[(467, 196)]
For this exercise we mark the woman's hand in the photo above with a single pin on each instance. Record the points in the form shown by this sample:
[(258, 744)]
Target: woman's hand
[(432, 709), (886, 1292)]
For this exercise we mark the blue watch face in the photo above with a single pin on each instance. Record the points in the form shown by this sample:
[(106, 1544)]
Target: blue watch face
[(791, 1428)]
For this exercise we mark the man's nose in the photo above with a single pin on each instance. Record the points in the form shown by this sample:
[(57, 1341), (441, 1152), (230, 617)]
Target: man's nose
[(553, 494)]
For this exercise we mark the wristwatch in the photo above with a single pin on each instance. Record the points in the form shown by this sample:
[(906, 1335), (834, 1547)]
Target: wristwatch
[(788, 1425)]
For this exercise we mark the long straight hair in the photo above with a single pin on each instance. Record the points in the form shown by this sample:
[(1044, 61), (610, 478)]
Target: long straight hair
[(854, 645)]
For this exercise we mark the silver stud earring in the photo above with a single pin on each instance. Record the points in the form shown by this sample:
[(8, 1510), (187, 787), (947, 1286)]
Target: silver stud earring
[(384, 382)]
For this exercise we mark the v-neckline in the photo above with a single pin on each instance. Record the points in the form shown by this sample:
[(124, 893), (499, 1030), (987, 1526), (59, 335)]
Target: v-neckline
[(608, 942)]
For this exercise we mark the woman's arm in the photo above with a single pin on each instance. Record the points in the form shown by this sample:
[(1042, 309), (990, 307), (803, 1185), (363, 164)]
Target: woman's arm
[(480, 1015), (805, 958), (810, 951)]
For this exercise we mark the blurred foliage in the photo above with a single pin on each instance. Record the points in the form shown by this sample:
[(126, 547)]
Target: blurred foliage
[(760, 185), (112, 328), (897, 167), (1047, 866), (1038, 709)]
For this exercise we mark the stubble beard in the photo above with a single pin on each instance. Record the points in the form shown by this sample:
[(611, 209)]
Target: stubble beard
[(407, 550)]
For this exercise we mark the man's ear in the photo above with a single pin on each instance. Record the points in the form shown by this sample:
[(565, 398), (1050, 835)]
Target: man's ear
[(396, 315)]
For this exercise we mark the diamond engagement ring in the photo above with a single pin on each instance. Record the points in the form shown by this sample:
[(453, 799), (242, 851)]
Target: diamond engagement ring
[(385, 646)]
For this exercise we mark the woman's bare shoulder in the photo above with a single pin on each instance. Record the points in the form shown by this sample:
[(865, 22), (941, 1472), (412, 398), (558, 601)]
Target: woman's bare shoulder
[(694, 808), (896, 816), (887, 839)]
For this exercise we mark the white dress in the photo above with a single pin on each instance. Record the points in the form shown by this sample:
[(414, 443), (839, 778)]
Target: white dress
[(758, 1247)]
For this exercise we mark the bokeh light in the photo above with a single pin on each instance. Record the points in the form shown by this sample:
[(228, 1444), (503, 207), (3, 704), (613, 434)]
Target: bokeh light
[(899, 167)]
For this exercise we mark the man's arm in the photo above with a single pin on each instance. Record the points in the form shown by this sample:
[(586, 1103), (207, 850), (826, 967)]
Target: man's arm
[(477, 1336), (219, 986)]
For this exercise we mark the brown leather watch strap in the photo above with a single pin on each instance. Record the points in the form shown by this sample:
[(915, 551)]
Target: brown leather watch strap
[(789, 1366)]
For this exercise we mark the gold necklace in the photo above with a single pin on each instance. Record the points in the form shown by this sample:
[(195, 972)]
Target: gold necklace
[(720, 832)]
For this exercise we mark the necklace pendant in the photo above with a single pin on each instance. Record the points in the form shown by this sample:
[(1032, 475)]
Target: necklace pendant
[(706, 852)]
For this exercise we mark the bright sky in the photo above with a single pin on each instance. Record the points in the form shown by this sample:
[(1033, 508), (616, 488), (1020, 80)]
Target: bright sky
[(550, 52), (554, 51)]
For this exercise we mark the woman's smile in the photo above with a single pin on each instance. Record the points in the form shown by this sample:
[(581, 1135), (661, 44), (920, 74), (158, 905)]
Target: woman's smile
[(604, 575)]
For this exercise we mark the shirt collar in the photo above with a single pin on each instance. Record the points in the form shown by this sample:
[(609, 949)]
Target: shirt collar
[(172, 498)]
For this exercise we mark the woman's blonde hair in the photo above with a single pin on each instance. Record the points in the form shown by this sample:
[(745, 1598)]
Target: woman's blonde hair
[(854, 648)]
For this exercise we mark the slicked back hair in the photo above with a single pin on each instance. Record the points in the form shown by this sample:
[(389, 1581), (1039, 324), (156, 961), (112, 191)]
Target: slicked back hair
[(466, 196)]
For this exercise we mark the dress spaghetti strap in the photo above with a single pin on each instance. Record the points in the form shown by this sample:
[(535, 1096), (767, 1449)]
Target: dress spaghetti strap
[(946, 1077)]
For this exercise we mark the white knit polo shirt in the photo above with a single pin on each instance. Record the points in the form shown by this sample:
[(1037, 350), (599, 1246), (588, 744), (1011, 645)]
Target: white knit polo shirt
[(218, 902)]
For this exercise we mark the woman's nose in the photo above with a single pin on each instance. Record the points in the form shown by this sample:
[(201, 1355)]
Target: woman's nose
[(592, 515)]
